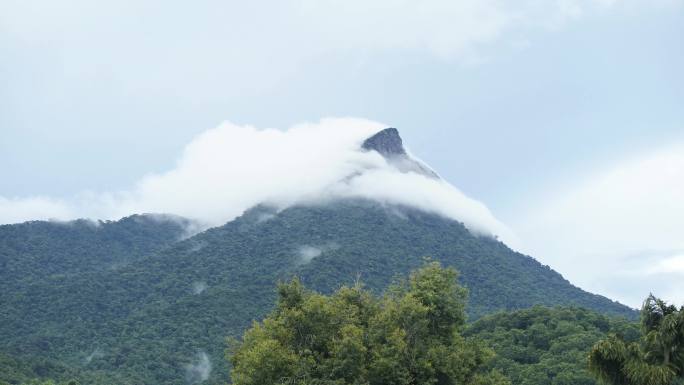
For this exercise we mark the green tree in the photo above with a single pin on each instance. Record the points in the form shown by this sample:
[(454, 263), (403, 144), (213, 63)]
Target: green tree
[(656, 359), (410, 336)]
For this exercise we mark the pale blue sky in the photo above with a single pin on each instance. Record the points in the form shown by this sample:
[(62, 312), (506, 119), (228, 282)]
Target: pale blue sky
[(509, 103)]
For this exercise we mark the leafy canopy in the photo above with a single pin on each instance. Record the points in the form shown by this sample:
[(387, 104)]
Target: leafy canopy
[(412, 335), (547, 346), (656, 359)]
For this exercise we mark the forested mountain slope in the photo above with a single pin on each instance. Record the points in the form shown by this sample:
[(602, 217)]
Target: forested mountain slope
[(155, 311), (44, 248)]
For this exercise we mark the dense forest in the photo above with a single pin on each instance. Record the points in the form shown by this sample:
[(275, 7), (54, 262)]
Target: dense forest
[(416, 333), (542, 345), (138, 301)]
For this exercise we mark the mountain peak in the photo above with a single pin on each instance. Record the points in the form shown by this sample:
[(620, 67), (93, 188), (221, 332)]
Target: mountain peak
[(387, 142)]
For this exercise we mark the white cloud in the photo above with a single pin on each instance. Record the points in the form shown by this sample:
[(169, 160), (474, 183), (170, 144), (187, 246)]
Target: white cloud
[(309, 252), (619, 232), (437, 196), (199, 370), (228, 169), (199, 287)]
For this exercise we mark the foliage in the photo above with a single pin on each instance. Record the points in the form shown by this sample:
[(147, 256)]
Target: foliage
[(410, 336), (657, 358), (116, 301), (34, 371), (38, 250), (544, 345)]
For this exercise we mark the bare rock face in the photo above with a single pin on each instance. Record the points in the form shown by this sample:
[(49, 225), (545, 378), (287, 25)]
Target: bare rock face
[(388, 143)]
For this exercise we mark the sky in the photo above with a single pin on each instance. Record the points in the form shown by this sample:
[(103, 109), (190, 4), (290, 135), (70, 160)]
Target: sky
[(560, 122)]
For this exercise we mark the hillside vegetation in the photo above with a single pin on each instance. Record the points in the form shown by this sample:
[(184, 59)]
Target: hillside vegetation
[(131, 302), (543, 345)]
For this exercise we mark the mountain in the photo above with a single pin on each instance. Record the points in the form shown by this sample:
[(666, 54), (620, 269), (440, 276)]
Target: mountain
[(34, 255), (138, 301), (153, 316)]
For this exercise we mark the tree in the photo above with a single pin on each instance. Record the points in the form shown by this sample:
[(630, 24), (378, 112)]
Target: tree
[(656, 359), (411, 336)]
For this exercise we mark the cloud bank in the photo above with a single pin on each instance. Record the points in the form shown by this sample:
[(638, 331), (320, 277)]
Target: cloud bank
[(618, 232), (230, 168)]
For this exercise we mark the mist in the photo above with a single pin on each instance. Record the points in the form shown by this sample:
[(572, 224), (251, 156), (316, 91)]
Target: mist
[(199, 287), (199, 370), (226, 170), (309, 252), (97, 353)]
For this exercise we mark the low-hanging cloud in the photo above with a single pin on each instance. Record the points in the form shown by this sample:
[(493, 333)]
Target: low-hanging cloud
[(307, 253), (228, 169), (199, 370), (199, 287), (97, 353)]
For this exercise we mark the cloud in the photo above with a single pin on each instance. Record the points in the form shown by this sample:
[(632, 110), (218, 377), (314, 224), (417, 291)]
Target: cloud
[(199, 370), (228, 169), (618, 232), (309, 252), (199, 287), (97, 353), (436, 196)]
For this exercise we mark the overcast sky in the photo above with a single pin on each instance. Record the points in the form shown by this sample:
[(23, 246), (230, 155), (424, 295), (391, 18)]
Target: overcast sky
[(565, 118)]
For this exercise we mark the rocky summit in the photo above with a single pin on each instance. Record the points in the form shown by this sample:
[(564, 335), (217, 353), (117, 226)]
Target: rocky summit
[(388, 143)]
